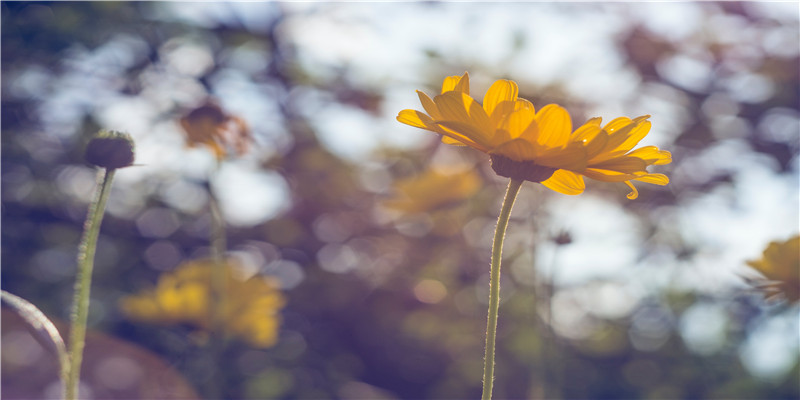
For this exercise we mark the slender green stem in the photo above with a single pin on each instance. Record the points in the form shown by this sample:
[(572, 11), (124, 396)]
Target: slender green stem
[(86, 251), (494, 286)]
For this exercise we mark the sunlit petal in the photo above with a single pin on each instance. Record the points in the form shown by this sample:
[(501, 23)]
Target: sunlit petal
[(657, 179), (628, 165), (652, 155), (637, 133), (457, 83), (416, 119), (566, 182), (428, 105), (500, 91), (555, 126)]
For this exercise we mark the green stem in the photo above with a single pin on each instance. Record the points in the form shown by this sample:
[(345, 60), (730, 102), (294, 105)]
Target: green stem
[(494, 286), (86, 251)]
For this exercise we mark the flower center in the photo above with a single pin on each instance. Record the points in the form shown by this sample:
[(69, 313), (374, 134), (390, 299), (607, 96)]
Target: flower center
[(522, 170)]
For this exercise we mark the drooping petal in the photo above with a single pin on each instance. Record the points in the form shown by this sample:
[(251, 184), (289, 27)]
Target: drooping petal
[(634, 192), (566, 182), (500, 91), (555, 126)]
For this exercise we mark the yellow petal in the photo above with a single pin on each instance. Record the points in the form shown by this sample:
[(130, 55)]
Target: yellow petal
[(625, 164), (416, 119), (516, 149), (500, 91), (429, 105), (608, 175), (616, 124), (451, 141), (465, 133), (555, 126), (518, 121), (457, 106), (652, 155), (504, 108), (634, 193), (565, 182), (657, 179), (615, 140), (457, 83), (636, 134), (572, 157), (593, 138)]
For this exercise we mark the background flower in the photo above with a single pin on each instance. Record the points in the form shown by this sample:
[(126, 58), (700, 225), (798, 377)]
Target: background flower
[(250, 309), (780, 268)]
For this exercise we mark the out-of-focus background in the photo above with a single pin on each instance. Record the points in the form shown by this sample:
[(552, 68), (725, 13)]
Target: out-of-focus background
[(377, 235)]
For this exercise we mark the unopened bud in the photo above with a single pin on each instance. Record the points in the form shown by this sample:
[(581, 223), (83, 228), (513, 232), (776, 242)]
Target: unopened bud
[(110, 149)]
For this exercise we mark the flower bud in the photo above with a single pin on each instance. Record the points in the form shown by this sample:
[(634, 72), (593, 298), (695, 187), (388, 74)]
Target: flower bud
[(110, 149)]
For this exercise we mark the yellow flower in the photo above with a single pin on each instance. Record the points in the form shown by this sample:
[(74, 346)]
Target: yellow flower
[(432, 190), (538, 146), (183, 296), (780, 266), (209, 125)]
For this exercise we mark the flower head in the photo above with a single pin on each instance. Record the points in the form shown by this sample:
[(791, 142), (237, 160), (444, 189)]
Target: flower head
[(538, 146), (209, 125), (780, 268), (184, 296), (110, 149)]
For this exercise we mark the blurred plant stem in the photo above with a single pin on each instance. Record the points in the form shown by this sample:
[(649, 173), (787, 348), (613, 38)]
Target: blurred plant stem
[(494, 286), (86, 252), (42, 326), (218, 288)]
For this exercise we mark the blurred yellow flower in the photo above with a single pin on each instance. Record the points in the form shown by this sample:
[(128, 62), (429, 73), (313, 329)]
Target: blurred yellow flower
[(780, 268), (209, 125), (538, 146), (184, 296), (432, 190)]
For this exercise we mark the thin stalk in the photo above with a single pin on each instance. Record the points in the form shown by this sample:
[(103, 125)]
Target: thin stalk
[(494, 286), (86, 252)]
